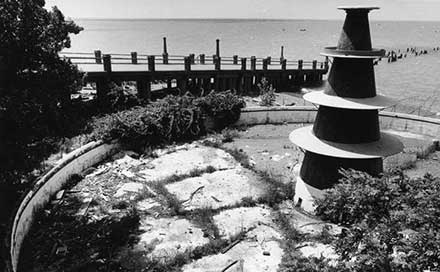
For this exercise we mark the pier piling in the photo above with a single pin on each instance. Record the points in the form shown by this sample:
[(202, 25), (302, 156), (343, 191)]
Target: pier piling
[(107, 63), (192, 58), (283, 64), (151, 63), (282, 54), (187, 61), (134, 58), (202, 58), (235, 59), (217, 48), (98, 57), (253, 63), (165, 51), (217, 61), (300, 64), (265, 63), (243, 64)]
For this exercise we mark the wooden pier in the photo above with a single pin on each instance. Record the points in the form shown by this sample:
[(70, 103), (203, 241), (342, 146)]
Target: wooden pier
[(193, 73)]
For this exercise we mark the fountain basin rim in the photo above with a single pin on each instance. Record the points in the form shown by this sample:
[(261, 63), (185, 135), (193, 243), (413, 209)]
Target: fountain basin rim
[(377, 102), (387, 145), (374, 53), (358, 7)]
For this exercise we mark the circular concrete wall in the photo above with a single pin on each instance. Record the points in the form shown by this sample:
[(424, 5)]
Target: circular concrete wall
[(95, 152)]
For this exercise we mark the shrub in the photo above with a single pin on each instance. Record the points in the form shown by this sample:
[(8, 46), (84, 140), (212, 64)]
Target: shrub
[(393, 221), (224, 108), (267, 93), (173, 118)]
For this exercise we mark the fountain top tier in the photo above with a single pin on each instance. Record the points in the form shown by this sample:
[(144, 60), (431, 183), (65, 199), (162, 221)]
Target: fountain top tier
[(355, 40)]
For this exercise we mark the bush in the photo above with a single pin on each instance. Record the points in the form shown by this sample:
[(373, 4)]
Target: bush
[(393, 221), (267, 93), (173, 118), (224, 108)]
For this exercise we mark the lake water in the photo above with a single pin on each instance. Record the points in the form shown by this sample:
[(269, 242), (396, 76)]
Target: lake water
[(413, 80)]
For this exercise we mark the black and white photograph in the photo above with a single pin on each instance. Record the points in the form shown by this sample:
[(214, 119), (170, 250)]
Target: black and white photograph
[(220, 136)]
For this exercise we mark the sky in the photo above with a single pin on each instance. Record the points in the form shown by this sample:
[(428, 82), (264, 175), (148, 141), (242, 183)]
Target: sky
[(407, 10)]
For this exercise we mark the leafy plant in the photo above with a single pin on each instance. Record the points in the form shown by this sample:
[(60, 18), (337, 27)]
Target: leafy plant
[(267, 93), (392, 221), (173, 118), (224, 108)]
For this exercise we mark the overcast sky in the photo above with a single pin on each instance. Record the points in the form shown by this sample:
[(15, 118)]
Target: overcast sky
[(428, 10)]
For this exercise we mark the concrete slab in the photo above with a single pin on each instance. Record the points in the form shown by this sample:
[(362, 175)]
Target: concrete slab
[(255, 258), (232, 222), (218, 189), (184, 161), (164, 238), (306, 223)]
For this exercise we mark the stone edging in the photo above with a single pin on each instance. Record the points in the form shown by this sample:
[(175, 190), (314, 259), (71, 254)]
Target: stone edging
[(94, 152), (38, 196)]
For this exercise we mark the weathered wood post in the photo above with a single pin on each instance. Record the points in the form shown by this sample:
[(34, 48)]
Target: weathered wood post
[(235, 59), (243, 64), (265, 63), (151, 63), (134, 59), (165, 51), (314, 64), (143, 87), (102, 84), (107, 63), (253, 63), (217, 48), (98, 56), (282, 54), (187, 61), (283, 64), (217, 62), (169, 84), (192, 58), (300, 64), (202, 58)]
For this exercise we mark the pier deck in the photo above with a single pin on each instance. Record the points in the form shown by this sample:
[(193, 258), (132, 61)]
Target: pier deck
[(191, 73)]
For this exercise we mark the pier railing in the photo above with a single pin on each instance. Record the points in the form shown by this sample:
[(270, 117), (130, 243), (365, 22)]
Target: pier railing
[(195, 73), (202, 61)]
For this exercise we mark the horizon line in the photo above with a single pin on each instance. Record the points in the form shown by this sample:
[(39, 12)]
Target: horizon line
[(241, 19)]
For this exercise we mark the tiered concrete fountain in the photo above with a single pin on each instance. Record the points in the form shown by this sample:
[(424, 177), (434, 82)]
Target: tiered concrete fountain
[(346, 131)]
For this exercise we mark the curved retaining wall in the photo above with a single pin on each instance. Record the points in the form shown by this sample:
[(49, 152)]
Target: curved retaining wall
[(306, 114), (74, 163), (95, 152)]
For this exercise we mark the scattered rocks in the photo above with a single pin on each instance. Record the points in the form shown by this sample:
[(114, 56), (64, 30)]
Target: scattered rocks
[(132, 187)]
